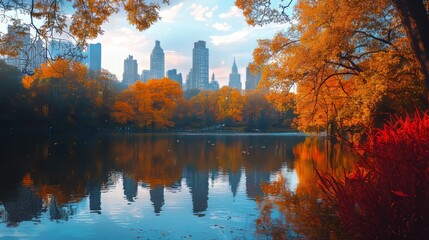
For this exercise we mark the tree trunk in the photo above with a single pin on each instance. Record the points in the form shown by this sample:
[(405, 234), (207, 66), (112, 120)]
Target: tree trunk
[(415, 19)]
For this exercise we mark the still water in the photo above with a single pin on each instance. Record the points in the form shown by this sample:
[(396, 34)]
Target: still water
[(141, 186)]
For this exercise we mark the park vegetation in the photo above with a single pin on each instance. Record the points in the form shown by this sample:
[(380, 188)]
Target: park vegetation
[(64, 94)]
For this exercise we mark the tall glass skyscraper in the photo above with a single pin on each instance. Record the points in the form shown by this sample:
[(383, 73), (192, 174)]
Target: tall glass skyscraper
[(30, 52), (94, 55), (200, 66), (130, 75), (157, 62), (234, 77)]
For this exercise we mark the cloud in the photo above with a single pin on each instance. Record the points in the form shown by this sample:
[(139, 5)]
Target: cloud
[(239, 36), (168, 15), (177, 60), (233, 12), (221, 26), (201, 13)]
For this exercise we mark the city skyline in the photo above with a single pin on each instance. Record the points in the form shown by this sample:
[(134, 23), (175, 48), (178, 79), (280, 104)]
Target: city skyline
[(221, 25)]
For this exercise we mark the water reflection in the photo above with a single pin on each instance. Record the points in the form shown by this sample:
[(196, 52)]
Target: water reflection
[(53, 177), (305, 211)]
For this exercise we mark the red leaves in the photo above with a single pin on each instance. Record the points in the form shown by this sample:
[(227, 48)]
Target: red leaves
[(386, 196)]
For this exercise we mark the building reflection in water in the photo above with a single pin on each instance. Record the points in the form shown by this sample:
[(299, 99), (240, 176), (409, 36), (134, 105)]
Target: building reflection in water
[(25, 205), (234, 181), (157, 198), (94, 189), (198, 183), (254, 179), (130, 188)]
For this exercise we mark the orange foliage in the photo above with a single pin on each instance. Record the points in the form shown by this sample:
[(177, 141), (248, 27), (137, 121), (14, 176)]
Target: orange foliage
[(230, 104), (349, 62), (148, 105), (205, 106)]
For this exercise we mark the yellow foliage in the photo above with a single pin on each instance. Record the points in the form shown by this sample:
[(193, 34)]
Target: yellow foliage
[(230, 104)]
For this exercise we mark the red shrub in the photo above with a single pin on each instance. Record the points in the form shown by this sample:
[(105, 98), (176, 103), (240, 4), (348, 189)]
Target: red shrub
[(387, 196)]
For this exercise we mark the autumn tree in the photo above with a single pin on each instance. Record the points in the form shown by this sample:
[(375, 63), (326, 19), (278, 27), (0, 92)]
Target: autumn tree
[(347, 61), (258, 113), (148, 105), (204, 107), (133, 106), (182, 114), (413, 15), (230, 105), (62, 93), (103, 87), (13, 105), (165, 94), (57, 92)]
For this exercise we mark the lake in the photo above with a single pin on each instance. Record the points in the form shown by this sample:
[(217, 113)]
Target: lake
[(145, 186)]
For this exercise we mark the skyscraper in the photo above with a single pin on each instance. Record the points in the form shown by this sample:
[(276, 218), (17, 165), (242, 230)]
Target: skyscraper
[(157, 62), (37, 54), (130, 75), (189, 83), (60, 48), (21, 42), (214, 85), (30, 52), (200, 66), (94, 55), (173, 75), (252, 80), (145, 75), (234, 77)]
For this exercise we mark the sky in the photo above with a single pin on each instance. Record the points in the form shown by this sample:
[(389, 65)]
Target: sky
[(218, 22)]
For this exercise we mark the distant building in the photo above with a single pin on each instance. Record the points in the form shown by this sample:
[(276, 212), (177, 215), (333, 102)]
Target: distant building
[(37, 54), (60, 48), (252, 80), (188, 84), (173, 75), (234, 77), (130, 75), (30, 53), (157, 62), (145, 75), (94, 57), (200, 66), (213, 85)]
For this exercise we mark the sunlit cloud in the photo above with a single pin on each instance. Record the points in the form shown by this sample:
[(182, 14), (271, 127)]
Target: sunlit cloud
[(177, 60), (201, 13), (169, 15), (239, 36), (233, 12), (221, 26)]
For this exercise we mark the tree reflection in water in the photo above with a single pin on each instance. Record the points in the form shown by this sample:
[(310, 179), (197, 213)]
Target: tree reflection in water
[(304, 212), (50, 173)]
